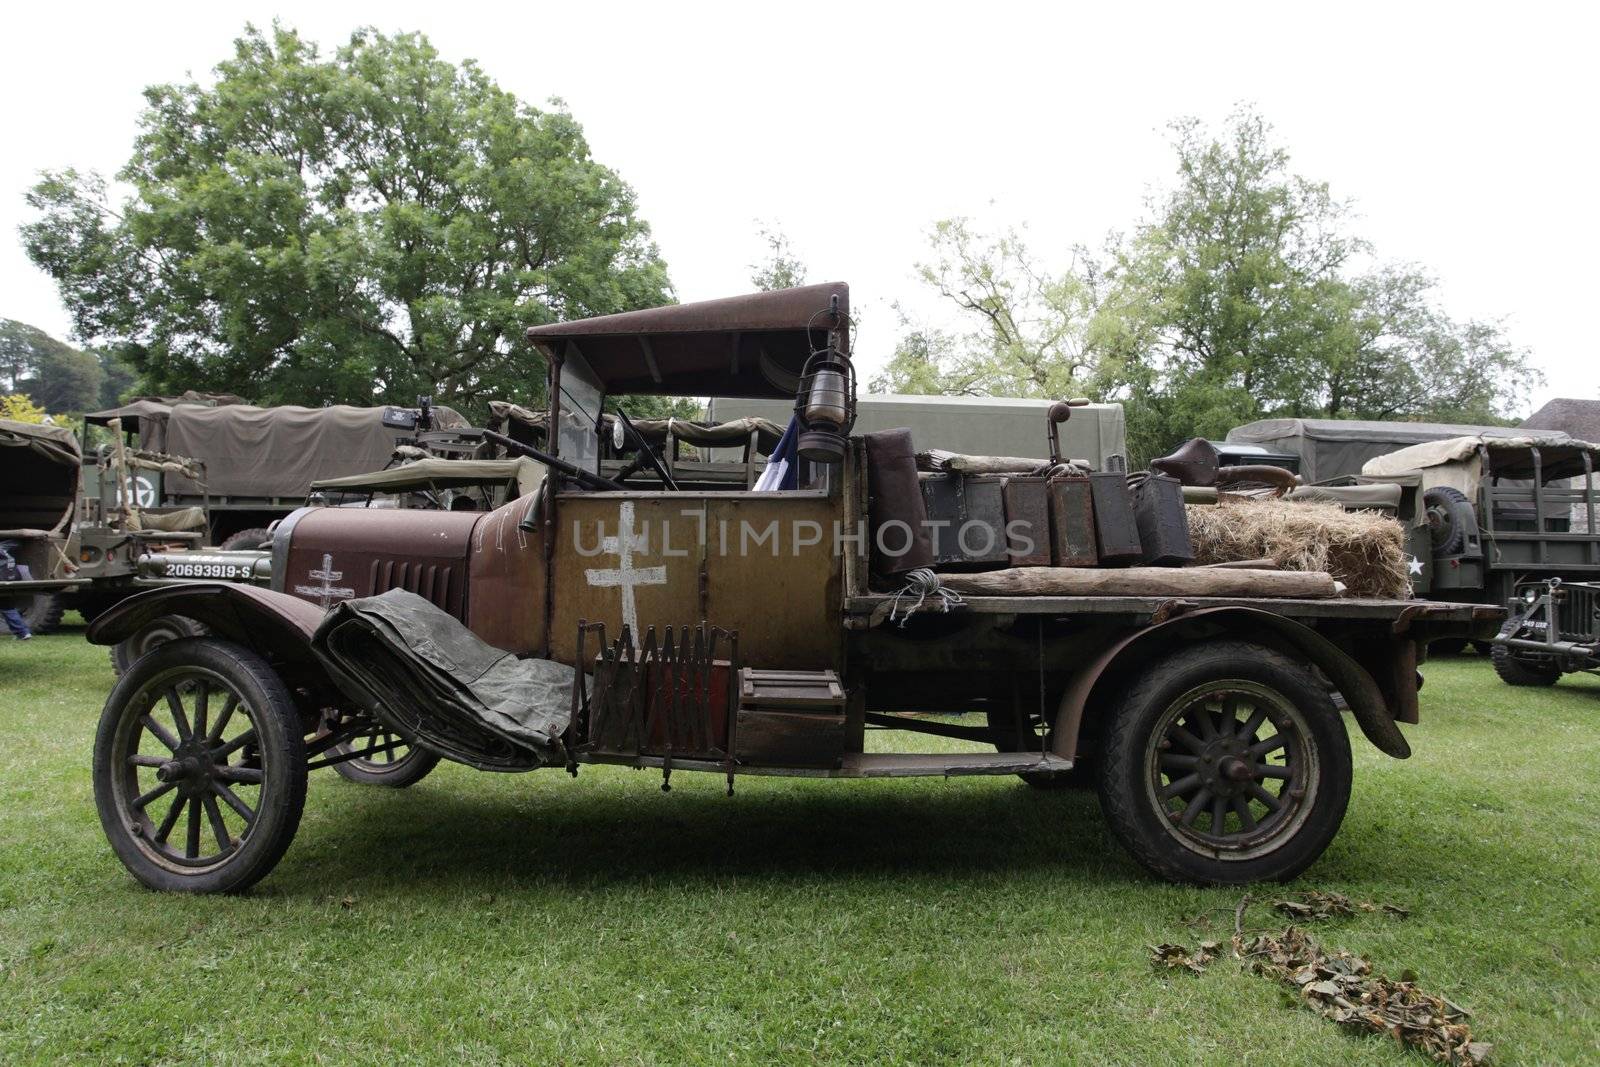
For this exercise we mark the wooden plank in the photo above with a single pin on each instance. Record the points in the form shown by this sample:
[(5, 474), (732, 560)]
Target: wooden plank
[(1144, 581), (1341, 608)]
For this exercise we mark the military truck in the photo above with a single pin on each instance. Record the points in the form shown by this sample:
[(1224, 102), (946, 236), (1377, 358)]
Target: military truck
[(38, 491), (1503, 518), (747, 633), (974, 425), (258, 461)]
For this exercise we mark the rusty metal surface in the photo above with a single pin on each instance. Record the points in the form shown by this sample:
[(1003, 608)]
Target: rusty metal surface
[(505, 603), (1028, 516), (336, 554), (781, 596), (750, 346), (1374, 709)]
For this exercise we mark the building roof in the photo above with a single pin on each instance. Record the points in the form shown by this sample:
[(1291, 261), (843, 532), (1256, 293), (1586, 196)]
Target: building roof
[(1577, 418)]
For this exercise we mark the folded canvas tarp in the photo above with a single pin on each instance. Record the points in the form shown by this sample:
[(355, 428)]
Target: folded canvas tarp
[(1458, 462), (423, 674)]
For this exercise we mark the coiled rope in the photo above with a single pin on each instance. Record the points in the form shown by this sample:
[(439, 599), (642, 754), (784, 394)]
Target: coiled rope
[(922, 583)]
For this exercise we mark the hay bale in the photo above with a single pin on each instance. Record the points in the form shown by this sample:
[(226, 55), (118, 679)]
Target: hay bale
[(1365, 550)]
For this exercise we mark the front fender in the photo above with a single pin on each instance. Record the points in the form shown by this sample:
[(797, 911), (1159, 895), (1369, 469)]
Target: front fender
[(276, 625), (1360, 691)]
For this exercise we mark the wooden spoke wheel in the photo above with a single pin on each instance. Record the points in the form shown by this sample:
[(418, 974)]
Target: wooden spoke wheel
[(392, 761), (199, 767), (1231, 765), (1226, 762)]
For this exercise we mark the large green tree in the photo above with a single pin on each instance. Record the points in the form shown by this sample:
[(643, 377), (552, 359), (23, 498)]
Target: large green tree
[(365, 226), (1245, 294)]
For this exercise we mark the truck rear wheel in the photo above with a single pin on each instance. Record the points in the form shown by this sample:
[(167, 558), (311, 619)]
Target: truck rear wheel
[(252, 538), (1514, 670), (200, 768), (42, 612), (1226, 763), (157, 632), (402, 765)]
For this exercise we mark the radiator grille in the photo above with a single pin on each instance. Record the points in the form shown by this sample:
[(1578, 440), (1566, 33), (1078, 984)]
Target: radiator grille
[(1579, 620), (431, 581)]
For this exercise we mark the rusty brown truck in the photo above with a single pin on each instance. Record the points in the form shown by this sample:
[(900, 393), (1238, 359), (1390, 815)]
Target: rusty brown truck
[(811, 625)]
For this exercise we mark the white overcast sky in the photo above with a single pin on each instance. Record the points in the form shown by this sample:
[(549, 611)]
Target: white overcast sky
[(1466, 134)]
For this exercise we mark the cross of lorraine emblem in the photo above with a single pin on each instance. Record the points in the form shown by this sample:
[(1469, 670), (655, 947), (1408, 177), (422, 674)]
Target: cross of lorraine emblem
[(325, 593)]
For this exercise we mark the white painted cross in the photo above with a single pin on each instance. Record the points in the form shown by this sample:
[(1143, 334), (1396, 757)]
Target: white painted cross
[(327, 591), (625, 575)]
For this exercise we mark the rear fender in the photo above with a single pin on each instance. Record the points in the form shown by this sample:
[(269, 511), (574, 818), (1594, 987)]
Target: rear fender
[(276, 626), (1098, 683)]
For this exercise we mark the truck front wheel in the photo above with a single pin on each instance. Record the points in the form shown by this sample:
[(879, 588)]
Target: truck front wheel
[(1226, 763)]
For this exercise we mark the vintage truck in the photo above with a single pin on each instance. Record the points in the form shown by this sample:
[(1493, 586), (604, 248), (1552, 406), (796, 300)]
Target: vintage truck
[(740, 632)]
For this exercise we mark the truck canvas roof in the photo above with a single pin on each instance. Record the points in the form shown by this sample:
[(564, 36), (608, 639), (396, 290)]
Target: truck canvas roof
[(753, 345)]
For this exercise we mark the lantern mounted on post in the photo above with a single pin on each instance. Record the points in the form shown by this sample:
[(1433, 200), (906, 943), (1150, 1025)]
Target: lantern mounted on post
[(825, 403)]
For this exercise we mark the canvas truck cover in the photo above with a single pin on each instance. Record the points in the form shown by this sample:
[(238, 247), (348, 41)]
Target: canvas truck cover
[(266, 452), (1457, 462), (1332, 448), (971, 425), (38, 477)]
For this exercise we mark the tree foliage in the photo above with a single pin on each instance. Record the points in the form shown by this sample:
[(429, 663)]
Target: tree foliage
[(19, 407), (57, 375), (371, 225), (1026, 330), (1245, 293), (782, 268)]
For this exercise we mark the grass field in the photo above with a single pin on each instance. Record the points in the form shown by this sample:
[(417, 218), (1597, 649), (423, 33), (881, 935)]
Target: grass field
[(482, 919)]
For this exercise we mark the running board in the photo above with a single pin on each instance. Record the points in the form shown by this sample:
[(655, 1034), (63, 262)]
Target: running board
[(866, 764), (947, 764)]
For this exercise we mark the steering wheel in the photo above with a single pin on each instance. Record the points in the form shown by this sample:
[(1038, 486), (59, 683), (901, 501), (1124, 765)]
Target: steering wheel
[(649, 455)]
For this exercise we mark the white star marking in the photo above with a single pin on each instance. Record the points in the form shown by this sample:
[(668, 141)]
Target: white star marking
[(1413, 565)]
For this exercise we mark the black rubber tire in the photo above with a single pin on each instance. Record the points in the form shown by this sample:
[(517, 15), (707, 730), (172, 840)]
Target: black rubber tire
[(1515, 671), (1448, 646), (42, 612), (1452, 510), (1127, 794), (279, 754), (252, 538), (1003, 734), (125, 653), (412, 767)]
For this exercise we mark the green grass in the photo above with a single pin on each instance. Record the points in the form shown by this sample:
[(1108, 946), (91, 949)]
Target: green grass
[(481, 918)]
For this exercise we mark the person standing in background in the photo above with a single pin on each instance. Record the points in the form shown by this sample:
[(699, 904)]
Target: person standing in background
[(12, 571)]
